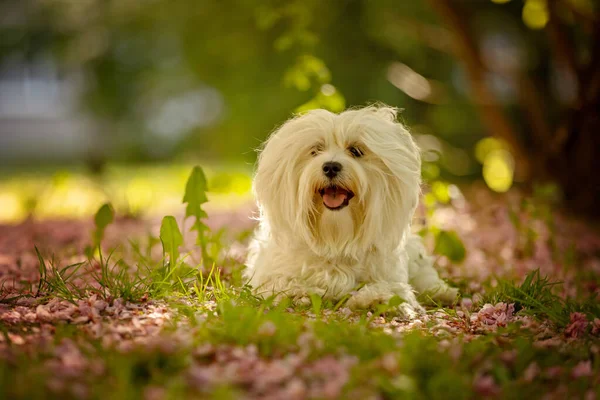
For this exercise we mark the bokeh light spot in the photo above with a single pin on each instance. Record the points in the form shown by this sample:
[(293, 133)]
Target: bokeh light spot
[(498, 170), (11, 208), (440, 190), (409, 81), (486, 145), (535, 14)]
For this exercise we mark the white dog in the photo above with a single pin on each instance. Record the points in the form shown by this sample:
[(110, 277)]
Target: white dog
[(337, 193)]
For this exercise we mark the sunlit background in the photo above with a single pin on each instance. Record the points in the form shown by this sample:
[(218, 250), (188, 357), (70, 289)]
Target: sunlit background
[(116, 100)]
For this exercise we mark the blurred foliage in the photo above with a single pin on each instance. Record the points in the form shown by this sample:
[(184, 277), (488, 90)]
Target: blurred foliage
[(447, 243), (211, 79), (104, 217), (132, 190)]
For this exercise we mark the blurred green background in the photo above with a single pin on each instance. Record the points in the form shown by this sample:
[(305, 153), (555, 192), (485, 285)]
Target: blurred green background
[(501, 90)]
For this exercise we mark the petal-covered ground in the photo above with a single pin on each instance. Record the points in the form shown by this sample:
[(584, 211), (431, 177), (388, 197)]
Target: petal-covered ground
[(78, 326)]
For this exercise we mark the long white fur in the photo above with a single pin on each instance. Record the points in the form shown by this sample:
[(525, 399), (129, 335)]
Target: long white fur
[(301, 247)]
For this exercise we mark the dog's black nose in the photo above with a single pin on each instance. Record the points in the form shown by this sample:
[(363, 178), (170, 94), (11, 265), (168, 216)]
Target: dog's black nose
[(332, 168)]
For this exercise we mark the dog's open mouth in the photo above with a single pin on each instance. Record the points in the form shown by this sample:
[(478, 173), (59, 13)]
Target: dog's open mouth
[(335, 197)]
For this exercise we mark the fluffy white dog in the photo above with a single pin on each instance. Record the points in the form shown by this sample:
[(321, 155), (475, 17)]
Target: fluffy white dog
[(337, 193)]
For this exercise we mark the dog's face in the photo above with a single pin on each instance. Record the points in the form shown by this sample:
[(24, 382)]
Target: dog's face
[(343, 183)]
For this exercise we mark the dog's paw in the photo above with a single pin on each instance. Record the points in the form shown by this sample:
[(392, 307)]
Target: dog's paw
[(450, 295), (301, 301), (373, 295), (362, 301), (443, 294), (407, 311)]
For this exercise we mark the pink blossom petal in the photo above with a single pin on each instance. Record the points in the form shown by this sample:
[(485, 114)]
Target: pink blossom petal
[(583, 369)]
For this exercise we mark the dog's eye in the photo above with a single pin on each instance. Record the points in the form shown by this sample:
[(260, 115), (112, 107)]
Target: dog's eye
[(315, 151), (355, 151)]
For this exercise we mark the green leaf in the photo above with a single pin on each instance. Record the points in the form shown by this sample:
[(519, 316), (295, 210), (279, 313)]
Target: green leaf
[(43, 271), (200, 227), (328, 98), (195, 194), (395, 301), (104, 217), (307, 71), (171, 238), (316, 302), (447, 243)]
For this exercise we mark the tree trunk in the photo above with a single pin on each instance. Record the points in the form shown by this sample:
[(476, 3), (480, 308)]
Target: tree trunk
[(576, 167), (569, 154), (574, 162)]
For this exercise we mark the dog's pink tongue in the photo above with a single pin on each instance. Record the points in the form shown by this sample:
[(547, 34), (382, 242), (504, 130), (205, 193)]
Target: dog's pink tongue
[(333, 198)]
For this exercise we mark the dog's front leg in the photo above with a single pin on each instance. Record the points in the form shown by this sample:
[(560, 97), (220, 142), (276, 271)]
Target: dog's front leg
[(282, 286), (376, 293)]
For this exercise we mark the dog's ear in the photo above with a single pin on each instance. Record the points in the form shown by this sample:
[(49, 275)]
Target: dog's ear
[(394, 145), (274, 185), (269, 174)]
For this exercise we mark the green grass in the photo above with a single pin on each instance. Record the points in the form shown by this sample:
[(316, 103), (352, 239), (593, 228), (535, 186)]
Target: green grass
[(211, 307), (100, 276), (421, 369), (536, 296)]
